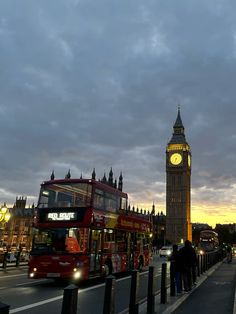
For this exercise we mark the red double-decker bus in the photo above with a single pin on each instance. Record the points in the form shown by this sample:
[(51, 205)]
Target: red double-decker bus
[(84, 229)]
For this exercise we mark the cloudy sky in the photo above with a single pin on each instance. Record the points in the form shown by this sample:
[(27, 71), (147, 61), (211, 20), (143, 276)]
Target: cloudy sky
[(97, 83)]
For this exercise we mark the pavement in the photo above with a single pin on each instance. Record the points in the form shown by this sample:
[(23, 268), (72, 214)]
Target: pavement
[(12, 266), (214, 294)]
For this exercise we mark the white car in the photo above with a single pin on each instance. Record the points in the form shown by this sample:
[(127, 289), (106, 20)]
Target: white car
[(165, 251)]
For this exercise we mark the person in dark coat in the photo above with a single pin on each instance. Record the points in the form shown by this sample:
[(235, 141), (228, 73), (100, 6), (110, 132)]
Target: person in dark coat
[(176, 268), (188, 259)]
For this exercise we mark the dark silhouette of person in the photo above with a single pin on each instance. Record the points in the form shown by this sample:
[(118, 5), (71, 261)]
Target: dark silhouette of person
[(189, 260), (176, 268)]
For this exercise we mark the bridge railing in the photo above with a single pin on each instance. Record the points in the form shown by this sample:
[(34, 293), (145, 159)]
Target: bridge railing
[(9, 259)]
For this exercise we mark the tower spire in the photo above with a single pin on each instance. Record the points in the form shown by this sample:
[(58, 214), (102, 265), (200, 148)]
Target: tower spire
[(94, 174), (110, 178), (104, 179), (178, 136), (178, 123), (120, 184), (52, 175), (68, 175)]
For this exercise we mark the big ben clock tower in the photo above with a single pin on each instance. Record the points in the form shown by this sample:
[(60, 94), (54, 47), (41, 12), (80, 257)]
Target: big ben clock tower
[(178, 186)]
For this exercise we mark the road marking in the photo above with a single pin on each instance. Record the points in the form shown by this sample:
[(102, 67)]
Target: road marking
[(31, 282), (7, 276), (30, 306), (221, 283)]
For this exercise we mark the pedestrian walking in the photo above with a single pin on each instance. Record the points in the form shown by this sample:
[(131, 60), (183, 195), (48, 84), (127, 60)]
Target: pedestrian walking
[(176, 268), (188, 259)]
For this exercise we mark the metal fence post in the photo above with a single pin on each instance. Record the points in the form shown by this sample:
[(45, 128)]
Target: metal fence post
[(163, 283), (203, 263), (70, 297), (210, 259), (172, 278), (18, 259), (4, 308), (198, 265), (133, 301), (151, 296), (109, 296), (4, 263)]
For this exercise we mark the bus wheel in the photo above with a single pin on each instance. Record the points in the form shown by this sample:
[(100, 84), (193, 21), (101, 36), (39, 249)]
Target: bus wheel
[(140, 262), (108, 267)]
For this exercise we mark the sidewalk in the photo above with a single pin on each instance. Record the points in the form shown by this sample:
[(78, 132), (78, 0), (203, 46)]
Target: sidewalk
[(214, 293), (12, 266)]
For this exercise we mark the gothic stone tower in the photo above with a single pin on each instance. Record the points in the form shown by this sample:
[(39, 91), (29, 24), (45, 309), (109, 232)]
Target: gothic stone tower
[(178, 186)]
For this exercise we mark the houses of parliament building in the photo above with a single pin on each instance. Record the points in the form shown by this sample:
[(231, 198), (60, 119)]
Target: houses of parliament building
[(16, 234)]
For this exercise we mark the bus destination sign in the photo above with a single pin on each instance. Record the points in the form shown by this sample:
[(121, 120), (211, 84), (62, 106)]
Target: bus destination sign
[(62, 216)]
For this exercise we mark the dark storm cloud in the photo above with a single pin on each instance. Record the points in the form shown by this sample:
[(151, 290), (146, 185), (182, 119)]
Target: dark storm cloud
[(88, 84)]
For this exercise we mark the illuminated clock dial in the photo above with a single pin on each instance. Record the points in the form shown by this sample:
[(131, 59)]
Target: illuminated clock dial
[(189, 160), (176, 159)]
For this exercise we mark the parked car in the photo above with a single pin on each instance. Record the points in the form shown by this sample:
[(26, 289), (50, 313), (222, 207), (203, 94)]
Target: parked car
[(165, 251)]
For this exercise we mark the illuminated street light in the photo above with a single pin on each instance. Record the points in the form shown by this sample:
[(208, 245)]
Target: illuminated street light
[(4, 214), (4, 217)]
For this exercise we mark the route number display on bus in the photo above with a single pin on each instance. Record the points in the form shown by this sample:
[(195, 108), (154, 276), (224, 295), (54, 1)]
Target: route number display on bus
[(61, 216)]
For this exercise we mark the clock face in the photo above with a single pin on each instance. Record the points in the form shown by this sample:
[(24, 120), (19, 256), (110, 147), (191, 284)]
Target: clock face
[(189, 160), (175, 159)]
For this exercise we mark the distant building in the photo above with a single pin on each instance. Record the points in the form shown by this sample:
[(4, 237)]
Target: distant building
[(17, 233), (230, 227), (159, 229), (200, 226)]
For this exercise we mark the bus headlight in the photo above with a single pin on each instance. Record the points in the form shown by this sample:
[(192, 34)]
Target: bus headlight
[(32, 274), (77, 274)]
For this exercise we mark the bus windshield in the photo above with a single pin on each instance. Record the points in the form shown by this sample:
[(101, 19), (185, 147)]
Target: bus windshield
[(61, 240), (65, 195)]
